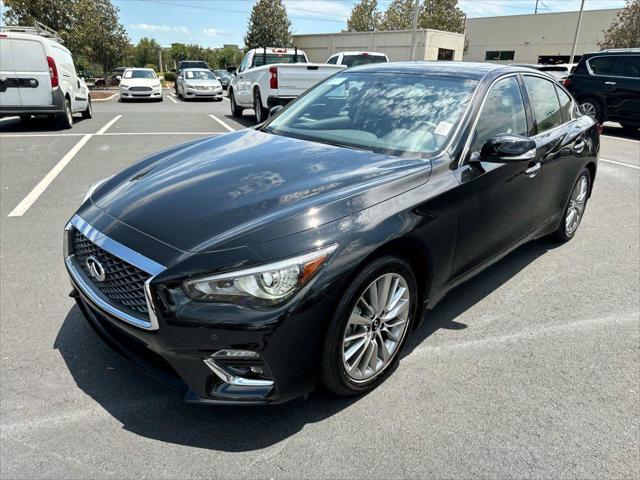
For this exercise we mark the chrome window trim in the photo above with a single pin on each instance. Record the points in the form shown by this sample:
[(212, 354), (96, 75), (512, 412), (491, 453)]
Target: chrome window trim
[(588, 64), (121, 251)]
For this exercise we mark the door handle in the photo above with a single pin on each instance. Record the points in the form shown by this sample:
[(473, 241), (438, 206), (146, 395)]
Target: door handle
[(609, 83), (578, 147), (532, 171)]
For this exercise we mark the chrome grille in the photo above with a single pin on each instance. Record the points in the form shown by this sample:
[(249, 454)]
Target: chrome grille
[(123, 283), (140, 89)]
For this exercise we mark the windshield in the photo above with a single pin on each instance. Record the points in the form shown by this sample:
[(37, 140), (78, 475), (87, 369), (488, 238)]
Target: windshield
[(271, 58), (385, 112), (199, 75), (355, 60), (222, 73), (139, 74)]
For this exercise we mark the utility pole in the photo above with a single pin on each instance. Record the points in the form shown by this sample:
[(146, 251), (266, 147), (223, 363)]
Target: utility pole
[(575, 37), (414, 35), (160, 58), (536, 10)]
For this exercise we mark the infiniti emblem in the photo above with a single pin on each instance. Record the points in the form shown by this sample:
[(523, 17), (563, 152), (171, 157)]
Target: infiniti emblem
[(96, 270)]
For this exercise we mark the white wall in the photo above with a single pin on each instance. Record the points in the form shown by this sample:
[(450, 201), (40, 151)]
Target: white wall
[(533, 35), (396, 44)]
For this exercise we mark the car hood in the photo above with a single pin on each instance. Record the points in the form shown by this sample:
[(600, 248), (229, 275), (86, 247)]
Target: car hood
[(250, 186), (202, 83)]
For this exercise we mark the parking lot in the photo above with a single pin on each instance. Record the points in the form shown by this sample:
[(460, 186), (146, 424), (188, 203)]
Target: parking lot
[(531, 369)]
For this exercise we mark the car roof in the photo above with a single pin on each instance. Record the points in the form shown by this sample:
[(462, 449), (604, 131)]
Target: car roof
[(139, 68), (360, 52), (612, 51), (196, 68), (470, 70)]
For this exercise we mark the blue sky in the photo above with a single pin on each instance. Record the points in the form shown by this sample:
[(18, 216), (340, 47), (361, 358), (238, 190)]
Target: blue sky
[(212, 23)]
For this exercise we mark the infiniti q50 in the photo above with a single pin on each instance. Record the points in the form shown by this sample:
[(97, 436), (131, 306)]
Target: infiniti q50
[(253, 266)]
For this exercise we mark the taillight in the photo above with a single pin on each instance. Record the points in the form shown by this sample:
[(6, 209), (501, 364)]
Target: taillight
[(53, 72), (566, 82), (273, 81)]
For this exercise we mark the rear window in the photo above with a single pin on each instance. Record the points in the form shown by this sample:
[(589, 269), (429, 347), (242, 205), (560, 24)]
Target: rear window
[(271, 58), (603, 65), (355, 60), (28, 56), (184, 65)]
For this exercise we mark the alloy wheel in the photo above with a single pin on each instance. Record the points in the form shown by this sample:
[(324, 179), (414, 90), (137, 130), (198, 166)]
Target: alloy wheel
[(588, 108), (376, 327), (577, 202)]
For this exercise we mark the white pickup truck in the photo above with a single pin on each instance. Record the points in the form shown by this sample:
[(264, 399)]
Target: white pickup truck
[(268, 77)]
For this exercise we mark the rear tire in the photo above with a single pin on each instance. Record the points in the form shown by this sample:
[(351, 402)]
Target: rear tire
[(236, 111), (345, 369), (65, 120), (591, 107), (88, 112), (261, 113), (576, 206)]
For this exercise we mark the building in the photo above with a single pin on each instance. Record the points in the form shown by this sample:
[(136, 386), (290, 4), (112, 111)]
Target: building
[(430, 44), (541, 38)]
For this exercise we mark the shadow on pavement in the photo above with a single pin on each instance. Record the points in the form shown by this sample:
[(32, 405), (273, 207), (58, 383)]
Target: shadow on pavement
[(36, 125), (149, 409), (614, 131)]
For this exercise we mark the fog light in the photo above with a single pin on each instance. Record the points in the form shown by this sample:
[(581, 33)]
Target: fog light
[(235, 354)]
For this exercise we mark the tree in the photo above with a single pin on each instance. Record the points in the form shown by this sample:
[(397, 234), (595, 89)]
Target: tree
[(178, 52), (228, 56), (399, 15), (269, 25), (54, 14), (442, 15), (625, 30), (365, 17), (146, 52)]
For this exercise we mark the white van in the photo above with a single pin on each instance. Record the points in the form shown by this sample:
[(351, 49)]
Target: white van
[(38, 76), (353, 59)]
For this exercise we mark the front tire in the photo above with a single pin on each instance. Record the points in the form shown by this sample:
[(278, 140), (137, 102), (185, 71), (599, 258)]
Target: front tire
[(574, 211), (369, 327)]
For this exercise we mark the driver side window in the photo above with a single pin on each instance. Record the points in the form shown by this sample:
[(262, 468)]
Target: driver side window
[(243, 64), (502, 112)]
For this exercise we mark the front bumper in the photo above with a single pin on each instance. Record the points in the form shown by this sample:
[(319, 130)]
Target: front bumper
[(179, 349), (153, 93), (197, 93)]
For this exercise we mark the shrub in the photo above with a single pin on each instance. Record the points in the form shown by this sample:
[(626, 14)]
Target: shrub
[(170, 76)]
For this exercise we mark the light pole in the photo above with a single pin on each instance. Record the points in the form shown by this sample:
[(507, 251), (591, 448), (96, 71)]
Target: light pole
[(415, 28), (575, 37)]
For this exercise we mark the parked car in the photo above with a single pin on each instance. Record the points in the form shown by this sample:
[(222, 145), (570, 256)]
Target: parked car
[(38, 76), (261, 262), (189, 64), (198, 83), (353, 59), (559, 71), (140, 83), (223, 77), (112, 80), (268, 77), (607, 86)]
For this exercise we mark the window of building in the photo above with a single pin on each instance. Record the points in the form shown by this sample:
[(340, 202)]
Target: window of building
[(544, 102), (502, 112), (445, 54), (499, 55)]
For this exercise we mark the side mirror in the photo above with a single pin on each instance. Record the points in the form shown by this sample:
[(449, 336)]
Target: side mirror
[(508, 148), (232, 69), (118, 77), (275, 110)]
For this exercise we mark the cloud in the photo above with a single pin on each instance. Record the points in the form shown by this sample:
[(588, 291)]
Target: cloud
[(320, 9), (213, 32), (149, 27)]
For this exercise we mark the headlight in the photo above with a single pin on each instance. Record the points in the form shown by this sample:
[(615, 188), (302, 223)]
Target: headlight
[(188, 85), (122, 85), (93, 188), (263, 285)]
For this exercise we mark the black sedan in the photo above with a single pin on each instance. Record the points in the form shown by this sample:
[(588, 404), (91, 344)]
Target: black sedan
[(252, 266)]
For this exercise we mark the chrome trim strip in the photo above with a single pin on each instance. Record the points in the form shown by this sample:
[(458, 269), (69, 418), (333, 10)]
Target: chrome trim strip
[(78, 277), (232, 379), (121, 251), (116, 248)]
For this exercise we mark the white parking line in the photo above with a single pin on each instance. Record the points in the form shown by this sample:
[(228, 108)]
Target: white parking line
[(222, 123), (620, 163), (621, 138), (104, 99), (170, 97), (109, 123), (29, 200), (34, 194)]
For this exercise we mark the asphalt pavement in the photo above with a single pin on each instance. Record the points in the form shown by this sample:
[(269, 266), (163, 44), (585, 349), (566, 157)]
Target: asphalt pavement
[(529, 370)]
